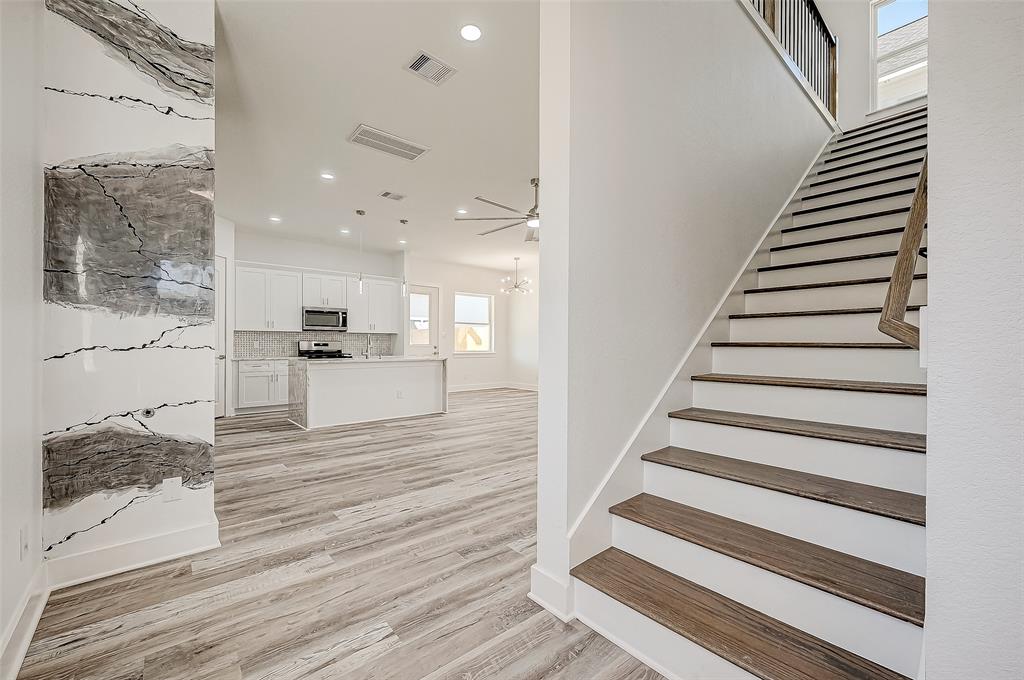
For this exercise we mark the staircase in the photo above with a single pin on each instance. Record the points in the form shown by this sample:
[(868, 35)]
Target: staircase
[(782, 534)]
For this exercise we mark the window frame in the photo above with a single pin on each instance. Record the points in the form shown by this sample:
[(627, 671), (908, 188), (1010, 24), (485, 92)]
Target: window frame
[(874, 6), (490, 323)]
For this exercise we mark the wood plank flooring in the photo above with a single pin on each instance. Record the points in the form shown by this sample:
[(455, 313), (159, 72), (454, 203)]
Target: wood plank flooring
[(387, 551)]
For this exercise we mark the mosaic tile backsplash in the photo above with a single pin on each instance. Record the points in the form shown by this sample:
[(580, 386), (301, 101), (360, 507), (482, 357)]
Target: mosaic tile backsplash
[(274, 344)]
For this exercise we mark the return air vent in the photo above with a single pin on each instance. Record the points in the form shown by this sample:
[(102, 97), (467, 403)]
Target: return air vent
[(387, 142), (392, 195), (431, 68)]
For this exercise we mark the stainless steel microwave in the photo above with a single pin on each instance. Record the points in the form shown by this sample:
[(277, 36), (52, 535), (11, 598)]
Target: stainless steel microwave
[(324, 319)]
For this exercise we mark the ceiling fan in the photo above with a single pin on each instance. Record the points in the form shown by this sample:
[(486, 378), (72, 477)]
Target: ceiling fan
[(531, 218)]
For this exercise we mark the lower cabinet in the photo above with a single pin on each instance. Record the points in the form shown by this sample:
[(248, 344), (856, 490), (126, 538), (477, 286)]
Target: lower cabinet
[(262, 383)]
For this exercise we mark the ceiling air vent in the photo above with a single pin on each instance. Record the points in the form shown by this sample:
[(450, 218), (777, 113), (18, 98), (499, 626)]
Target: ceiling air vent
[(431, 68), (387, 142), (392, 195)]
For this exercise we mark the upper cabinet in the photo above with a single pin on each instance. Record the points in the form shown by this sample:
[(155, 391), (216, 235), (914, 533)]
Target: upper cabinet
[(319, 290), (376, 309), (267, 299), (358, 306)]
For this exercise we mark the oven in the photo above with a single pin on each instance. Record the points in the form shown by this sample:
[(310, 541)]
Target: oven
[(324, 319)]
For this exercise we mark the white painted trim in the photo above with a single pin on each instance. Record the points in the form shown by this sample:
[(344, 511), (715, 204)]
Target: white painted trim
[(474, 387), (791, 66), (529, 387), (920, 101), (22, 627), (115, 559), (551, 594), (693, 345)]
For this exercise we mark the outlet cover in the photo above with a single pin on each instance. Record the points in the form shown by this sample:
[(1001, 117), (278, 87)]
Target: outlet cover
[(23, 539), (399, 395), (171, 489)]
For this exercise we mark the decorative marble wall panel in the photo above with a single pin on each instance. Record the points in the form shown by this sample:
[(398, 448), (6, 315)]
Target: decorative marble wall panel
[(128, 359)]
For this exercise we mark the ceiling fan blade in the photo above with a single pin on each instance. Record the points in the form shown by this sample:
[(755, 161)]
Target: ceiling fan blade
[(507, 226), (475, 219), (495, 203), (532, 234)]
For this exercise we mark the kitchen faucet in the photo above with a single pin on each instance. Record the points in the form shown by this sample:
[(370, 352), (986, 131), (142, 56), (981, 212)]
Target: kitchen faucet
[(366, 354)]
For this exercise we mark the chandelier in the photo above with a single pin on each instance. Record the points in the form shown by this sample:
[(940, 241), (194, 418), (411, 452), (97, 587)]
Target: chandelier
[(512, 284)]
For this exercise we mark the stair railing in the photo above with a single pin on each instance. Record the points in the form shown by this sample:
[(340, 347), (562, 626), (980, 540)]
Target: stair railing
[(894, 312), (805, 36)]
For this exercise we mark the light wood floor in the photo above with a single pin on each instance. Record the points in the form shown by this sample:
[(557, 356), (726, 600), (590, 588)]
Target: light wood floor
[(387, 551)]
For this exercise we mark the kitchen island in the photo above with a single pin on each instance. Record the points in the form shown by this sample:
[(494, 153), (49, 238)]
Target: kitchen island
[(326, 392)]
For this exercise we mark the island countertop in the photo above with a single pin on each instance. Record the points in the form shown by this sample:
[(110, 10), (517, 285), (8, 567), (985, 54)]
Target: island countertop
[(363, 361)]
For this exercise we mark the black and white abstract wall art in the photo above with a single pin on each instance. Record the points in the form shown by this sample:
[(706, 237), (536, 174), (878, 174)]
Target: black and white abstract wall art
[(128, 280)]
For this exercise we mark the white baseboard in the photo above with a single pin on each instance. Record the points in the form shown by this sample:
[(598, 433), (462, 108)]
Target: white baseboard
[(529, 387), (19, 634), (551, 593), (88, 566), (473, 387)]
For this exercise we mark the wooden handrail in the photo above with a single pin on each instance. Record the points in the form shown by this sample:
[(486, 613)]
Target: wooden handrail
[(894, 312)]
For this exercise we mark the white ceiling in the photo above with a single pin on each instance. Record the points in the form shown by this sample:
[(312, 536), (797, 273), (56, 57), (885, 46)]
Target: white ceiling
[(295, 78)]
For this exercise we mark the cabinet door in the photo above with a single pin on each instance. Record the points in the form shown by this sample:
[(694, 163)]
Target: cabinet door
[(334, 289), (383, 307), (358, 306), (251, 299), (281, 385), (313, 294), (285, 301), (256, 389)]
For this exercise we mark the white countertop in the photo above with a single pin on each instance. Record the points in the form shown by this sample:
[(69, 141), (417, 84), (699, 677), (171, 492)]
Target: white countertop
[(371, 360)]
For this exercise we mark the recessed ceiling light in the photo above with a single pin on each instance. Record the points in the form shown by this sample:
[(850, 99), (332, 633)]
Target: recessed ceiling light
[(275, 218), (402, 243), (326, 175), (462, 211), (470, 32), (345, 231)]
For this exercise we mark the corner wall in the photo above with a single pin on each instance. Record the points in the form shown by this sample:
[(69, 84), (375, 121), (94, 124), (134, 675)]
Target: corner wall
[(128, 284), (975, 342)]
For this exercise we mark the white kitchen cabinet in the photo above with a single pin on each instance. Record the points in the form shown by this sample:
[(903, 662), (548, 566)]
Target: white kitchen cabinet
[(267, 299), (262, 383), (383, 306), (358, 306), (319, 290)]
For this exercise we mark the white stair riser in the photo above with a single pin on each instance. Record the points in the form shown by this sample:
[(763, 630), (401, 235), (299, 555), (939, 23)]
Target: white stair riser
[(827, 328), (839, 271), (879, 539), (835, 297), (805, 362), (867, 192), (668, 653), (857, 161), (873, 635), (901, 130), (895, 221), (847, 212), (857, 246), (902, 142), (901, 412), (874, 465), (814, 184), (836, 171)]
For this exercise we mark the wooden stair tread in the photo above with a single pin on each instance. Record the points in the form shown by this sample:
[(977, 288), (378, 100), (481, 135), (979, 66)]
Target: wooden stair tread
[(817, 312), (825, 284), (870, 171), (898, 505), (817, 345), (876, 586), (902, 116), (839, 239), (854, 201), (845, 220), (852, 434), (881, 157), (865, 185), (884, 145), (919, 125), (829, 260), (761, 645), (910, 389)]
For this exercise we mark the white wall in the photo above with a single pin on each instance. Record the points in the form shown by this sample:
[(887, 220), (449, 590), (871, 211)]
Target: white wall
[(224, 246), (20, 292), (522, 328), (975, 577), (251, 246), (466, 372), (850, 20), (670, 188)]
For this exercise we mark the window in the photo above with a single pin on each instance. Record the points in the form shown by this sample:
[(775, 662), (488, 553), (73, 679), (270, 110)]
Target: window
[(900, 45), (419, 319), (474, 323)]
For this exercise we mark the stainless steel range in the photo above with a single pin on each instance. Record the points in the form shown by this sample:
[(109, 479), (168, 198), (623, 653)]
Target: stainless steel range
[(321, 350)]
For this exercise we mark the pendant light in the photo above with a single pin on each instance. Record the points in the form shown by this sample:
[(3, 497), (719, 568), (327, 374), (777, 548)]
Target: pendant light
[(405, 286), (512, 284), (361, 213)]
